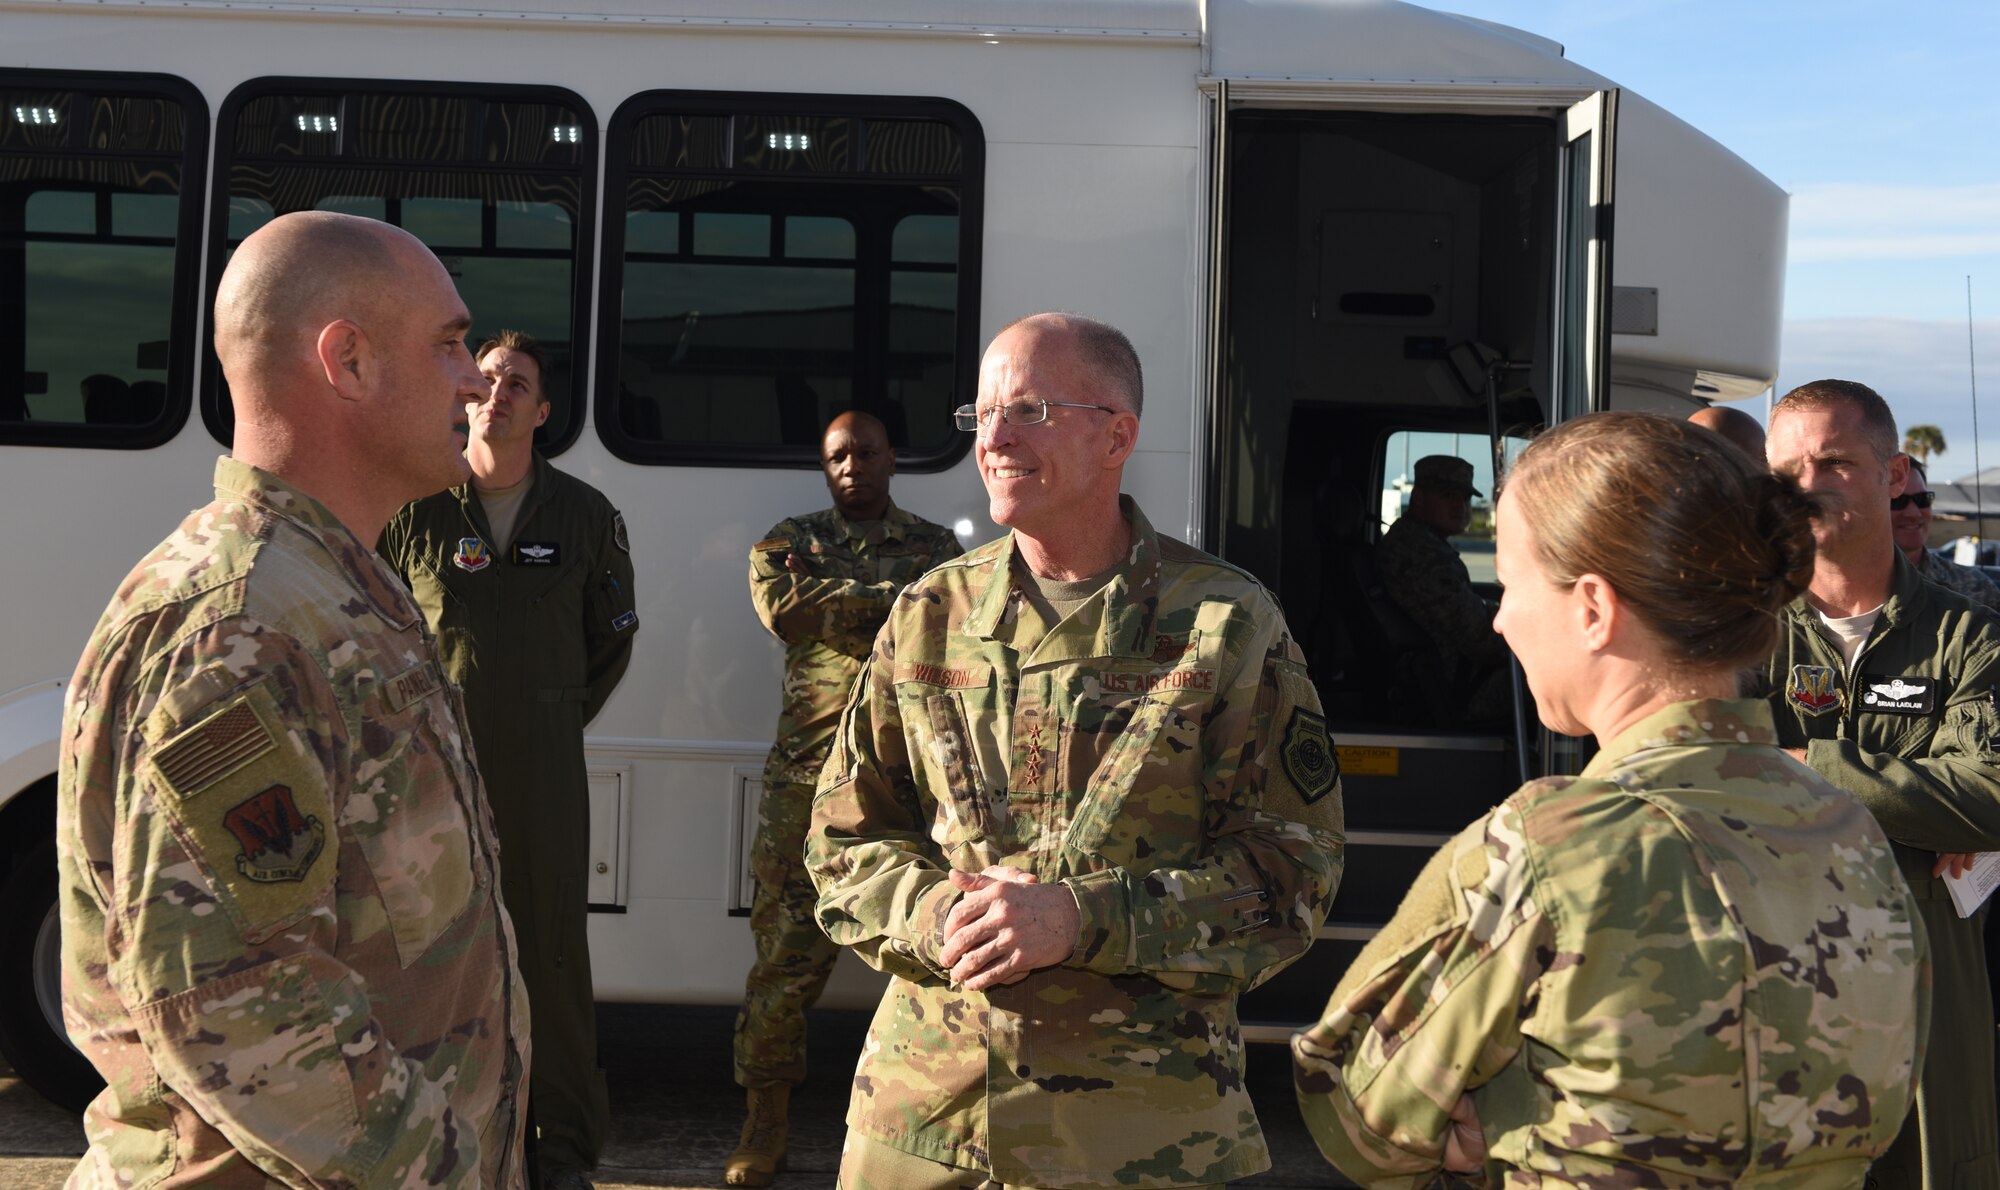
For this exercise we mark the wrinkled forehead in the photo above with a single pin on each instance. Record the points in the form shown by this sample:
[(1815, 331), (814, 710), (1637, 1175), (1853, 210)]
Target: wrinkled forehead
[(1812, 433)]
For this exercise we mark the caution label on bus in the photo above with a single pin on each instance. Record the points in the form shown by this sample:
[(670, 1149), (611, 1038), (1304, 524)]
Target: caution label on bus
[(1365, 760)]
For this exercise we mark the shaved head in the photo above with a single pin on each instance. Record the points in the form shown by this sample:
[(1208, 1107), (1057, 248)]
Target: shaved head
[(295, 275), (343, 340), (855, 421), (1735, 425)]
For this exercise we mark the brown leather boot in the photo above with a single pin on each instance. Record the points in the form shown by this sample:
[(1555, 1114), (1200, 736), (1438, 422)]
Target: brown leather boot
[(760, 1155)]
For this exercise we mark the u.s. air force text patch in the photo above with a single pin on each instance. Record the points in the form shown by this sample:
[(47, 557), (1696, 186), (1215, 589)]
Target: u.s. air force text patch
[(1308, 755)]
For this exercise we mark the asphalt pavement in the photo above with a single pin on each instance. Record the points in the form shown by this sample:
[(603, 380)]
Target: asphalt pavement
[(676, 1112)]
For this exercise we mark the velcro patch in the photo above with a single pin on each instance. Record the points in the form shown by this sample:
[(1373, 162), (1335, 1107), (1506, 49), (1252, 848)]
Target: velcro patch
[(278, 842), (618, 535), (938, 675), (1114, 682), (624, 621), (1898, 694), (220, 744), (1309, 756), (412, 686)]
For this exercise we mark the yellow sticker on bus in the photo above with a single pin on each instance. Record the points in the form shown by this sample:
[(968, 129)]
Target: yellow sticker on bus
[(1367, 760)]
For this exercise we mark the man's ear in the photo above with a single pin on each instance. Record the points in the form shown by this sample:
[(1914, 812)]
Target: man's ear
[(1899, 472), (892, 460), (1123, 435), (342, 348), (542, 409)]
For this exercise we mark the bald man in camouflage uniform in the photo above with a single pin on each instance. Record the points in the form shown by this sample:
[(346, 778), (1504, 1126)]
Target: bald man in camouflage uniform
[(1422, 572), (1082, 799), (822, 583), (283, 945), (1602, 960)]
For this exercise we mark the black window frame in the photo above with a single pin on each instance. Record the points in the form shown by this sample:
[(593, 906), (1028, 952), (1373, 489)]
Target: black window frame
[(187, 259), (618, 172), (582, 279)]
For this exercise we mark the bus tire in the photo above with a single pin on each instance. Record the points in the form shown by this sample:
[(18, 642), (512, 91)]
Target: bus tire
[(31, 1033)]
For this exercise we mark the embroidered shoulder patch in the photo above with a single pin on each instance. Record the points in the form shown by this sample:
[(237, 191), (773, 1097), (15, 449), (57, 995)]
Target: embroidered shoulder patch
[(1308, 755), (618, 535), (213, 748), (1814, 688), (278, 842)]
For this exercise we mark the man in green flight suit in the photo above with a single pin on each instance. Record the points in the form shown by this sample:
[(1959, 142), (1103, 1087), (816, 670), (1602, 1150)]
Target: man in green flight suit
[(1884, 683), (822, 583), (525, 574), (1081, 799)]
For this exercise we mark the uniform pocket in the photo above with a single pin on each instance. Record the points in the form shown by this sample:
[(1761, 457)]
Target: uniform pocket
[(407, 811), (1143, 806)]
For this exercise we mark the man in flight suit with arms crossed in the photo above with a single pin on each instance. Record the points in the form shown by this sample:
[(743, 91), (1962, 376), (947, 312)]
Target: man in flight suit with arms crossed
[(523, 571), (822, 583), (1082, 799), (1884, 684), (283, 943)]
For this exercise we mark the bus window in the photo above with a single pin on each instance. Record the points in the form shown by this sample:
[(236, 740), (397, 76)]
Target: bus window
[(97, 259), (498, 181), (779, 260), (1399, 460)]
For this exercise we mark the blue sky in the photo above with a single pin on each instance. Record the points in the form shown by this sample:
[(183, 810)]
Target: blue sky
[(1883, 123)]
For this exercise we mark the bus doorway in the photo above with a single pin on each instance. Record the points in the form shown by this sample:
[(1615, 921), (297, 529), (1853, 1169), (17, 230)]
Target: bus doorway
[(1391, 286)]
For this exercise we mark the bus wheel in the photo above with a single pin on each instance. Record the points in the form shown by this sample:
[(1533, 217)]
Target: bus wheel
[(31, 1029)]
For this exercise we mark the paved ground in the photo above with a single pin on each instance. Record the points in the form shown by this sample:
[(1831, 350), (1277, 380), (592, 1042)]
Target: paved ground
[(676, 1113)]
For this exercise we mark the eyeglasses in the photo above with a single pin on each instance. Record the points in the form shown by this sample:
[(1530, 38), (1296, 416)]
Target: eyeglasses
[(1920, 499), (1014, 413)]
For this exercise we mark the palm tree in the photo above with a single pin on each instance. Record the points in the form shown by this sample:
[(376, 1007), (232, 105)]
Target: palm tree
[(1923, 441)]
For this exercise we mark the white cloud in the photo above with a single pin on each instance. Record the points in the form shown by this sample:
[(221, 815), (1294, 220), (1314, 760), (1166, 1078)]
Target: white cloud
[(1860, 221)]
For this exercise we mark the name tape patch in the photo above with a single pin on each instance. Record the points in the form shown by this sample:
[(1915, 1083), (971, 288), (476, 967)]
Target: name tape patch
[(412, 686), (938, 675), (1898, 694), (537, 553)]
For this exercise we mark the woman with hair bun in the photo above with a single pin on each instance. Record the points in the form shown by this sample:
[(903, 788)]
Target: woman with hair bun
[(1694, 964)]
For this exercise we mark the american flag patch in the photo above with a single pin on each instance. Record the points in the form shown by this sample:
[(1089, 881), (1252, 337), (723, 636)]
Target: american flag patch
[(214, 748)]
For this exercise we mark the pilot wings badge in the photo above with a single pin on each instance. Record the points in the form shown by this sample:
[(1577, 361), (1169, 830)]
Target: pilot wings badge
[(1814, 688), (537, 553), (1899, 694)]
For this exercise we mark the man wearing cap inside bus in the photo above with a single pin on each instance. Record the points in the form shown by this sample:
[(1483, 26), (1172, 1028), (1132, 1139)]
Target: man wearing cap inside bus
[(1422, 572), (525, 574), (1082, 797)]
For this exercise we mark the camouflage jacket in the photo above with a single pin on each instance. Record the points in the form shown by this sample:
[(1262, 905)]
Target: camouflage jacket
[(828, 616), (1968, 581), (1161, 752), (1694, 965), (1423, 573), (283, 945)]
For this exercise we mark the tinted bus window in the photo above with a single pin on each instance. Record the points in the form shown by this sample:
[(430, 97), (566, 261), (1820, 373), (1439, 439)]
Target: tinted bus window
[(775, 260), (498, 181), (97, 259)]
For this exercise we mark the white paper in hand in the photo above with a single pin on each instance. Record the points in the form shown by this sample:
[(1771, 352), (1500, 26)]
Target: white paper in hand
[(1969, 892)]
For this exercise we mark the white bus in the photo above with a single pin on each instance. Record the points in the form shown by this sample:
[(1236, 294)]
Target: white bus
[(1342, 233)]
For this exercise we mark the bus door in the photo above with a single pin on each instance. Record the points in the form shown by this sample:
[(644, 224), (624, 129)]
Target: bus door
[(1389, 280)]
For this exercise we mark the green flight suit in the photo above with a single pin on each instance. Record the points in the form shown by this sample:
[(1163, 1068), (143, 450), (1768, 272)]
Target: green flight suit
[(1913, 732), (538, 636), (1160, 751), (827, 617)]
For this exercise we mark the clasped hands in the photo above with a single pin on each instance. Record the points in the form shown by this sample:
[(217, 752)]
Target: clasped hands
[(1006, 925)]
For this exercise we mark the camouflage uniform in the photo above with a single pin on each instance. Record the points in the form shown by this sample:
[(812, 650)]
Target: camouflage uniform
[(537, 633), (1694, 965), (828, 620), (1966, 580), (1924, 757), (283, 944), (1423, 573), (1161, 752)]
